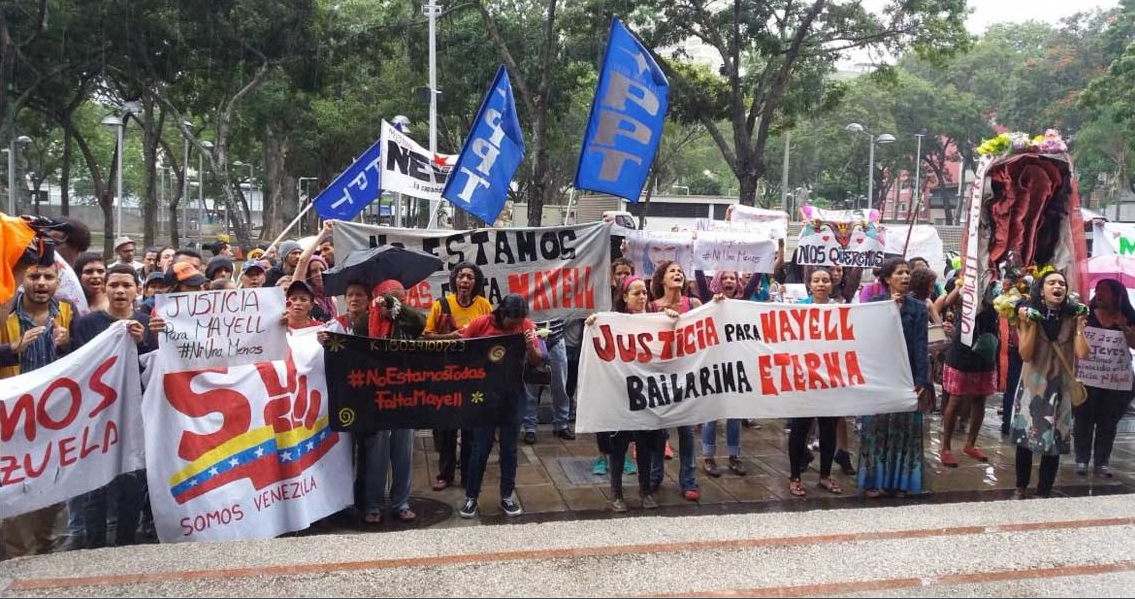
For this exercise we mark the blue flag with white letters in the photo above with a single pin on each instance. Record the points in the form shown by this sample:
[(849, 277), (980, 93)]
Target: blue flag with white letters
[(626, 121), (479, 181), (352, 190)]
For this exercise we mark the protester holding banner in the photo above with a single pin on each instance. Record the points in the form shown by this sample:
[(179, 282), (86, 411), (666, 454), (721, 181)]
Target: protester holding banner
[(508, 318), (301, 302), (890, 449), (622, 269), (648, 443), (92, 277), (1051, 339), (820, 286), (447, 317), (310, 268), (390, 450), (666, 285), (128, 489), (37, 332), (1107, 374)]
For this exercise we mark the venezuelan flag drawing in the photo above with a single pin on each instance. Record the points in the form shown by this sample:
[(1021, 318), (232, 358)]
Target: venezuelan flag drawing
[(260, 455)]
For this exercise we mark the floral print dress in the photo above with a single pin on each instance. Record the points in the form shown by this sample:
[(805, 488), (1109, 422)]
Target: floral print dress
[(1042, 410)]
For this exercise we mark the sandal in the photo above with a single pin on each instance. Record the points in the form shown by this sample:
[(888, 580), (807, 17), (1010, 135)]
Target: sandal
[(830, 486), (406, 515), (872, 493), (374, 517), (796, 488)]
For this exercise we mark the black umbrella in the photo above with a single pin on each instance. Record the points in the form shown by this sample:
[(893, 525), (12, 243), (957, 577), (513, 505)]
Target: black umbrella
[(374, 265)]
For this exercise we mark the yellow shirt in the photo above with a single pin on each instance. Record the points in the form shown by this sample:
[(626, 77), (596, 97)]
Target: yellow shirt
[(461, 315)]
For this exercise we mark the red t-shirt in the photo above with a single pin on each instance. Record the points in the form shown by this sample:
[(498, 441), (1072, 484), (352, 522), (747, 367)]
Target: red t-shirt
[(486, 326)]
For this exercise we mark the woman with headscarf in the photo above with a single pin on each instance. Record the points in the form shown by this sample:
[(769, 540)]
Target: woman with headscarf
[(890, 449), (1051, 338), (508, 318), (1096, 421)]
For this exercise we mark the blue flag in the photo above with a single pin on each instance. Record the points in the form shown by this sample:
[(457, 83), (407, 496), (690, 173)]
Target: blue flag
[(352, 190), (480, 179), (626, 121)]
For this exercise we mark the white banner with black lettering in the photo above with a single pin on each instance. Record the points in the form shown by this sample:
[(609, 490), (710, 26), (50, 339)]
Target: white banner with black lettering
[(649, 249), (730, 250), (564, 272), (840, 237), (244, 452), (229, 327), (409, 168), (775, 219), (71, 426), (738, 359), (1108, 365)]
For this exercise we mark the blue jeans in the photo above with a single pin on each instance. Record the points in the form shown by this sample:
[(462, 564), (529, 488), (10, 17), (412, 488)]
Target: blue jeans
[(561, 403), (687, 473), (483, 446), (385, 451), (732, 437), (131, 492)]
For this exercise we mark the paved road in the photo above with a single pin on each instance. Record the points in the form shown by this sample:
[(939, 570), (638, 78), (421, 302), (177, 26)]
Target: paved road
[(1001, 548)]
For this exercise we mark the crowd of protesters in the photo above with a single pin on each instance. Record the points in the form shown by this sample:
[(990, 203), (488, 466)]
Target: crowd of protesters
[(64, 305)]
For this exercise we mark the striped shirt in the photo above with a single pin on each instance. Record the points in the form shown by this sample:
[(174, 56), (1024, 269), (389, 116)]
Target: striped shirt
[(41, 352), (557, 328)]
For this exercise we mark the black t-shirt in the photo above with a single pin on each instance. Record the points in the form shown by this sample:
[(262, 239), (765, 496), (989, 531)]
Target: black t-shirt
[(960, 357), (86, 328)]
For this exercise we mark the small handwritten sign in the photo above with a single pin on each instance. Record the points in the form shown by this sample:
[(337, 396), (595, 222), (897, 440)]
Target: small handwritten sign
[(1108, 365), (231, 327), (733, 250)]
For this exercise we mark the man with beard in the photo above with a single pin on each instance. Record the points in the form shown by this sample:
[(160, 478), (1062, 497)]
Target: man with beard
[(37, 333), (289, 257)]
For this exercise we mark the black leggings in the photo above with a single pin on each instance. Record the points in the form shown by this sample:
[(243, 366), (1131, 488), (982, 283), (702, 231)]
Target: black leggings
[(1048, 467), (647, 443), (798, 444), (1095, 423)]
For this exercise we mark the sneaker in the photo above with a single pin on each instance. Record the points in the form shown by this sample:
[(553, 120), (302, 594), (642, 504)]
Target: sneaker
[(976, 454), (530, 438), (629, 465), (511, 507), (692, 494), (1081, 469), (711, 468), (736, 466), (648, 501), (618, 505), (565, 434), (600, 467), (1104, 471), (469, 510)]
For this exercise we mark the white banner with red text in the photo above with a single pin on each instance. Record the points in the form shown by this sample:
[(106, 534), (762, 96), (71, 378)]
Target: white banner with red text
[(738, 359), (71, 426), (563, 272), (244, 452)]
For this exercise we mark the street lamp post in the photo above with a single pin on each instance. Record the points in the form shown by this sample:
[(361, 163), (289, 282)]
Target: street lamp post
[(299, 201), (206, 145), (11, 150), (883, 138), (917, 173), (185, 185)]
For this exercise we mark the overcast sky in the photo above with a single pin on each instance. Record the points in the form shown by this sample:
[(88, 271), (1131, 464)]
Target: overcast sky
[(987, 12)]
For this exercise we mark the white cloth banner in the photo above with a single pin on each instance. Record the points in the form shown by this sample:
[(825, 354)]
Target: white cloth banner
[(71, 426), (776, 218), (924, 243), (648, 249), (244, 452), (214, 329), (840, 237), (730, 250), (564, 272), (1113, 238), (738, 359), (1108, 365), (70, 289), (409, 168)]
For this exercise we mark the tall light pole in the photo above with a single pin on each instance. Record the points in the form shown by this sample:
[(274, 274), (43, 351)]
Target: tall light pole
[(402, 124), (432, 9), (883, 138), (784, 176), (115, 121), (299, 201), (917, 174), (185, 186), (250, 188), (21, 140), (207, 145)]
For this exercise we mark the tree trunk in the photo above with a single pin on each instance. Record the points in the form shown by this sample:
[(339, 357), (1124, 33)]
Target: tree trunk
[(65, 175), (537, 188), (747, 194), (151, 133), (279, 189)]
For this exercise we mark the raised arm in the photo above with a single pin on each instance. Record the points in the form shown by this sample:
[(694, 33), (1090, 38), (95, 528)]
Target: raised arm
[(309, 251)]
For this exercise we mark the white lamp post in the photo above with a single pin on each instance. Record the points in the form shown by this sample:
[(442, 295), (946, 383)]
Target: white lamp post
[(884, 138), (207, 145)]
